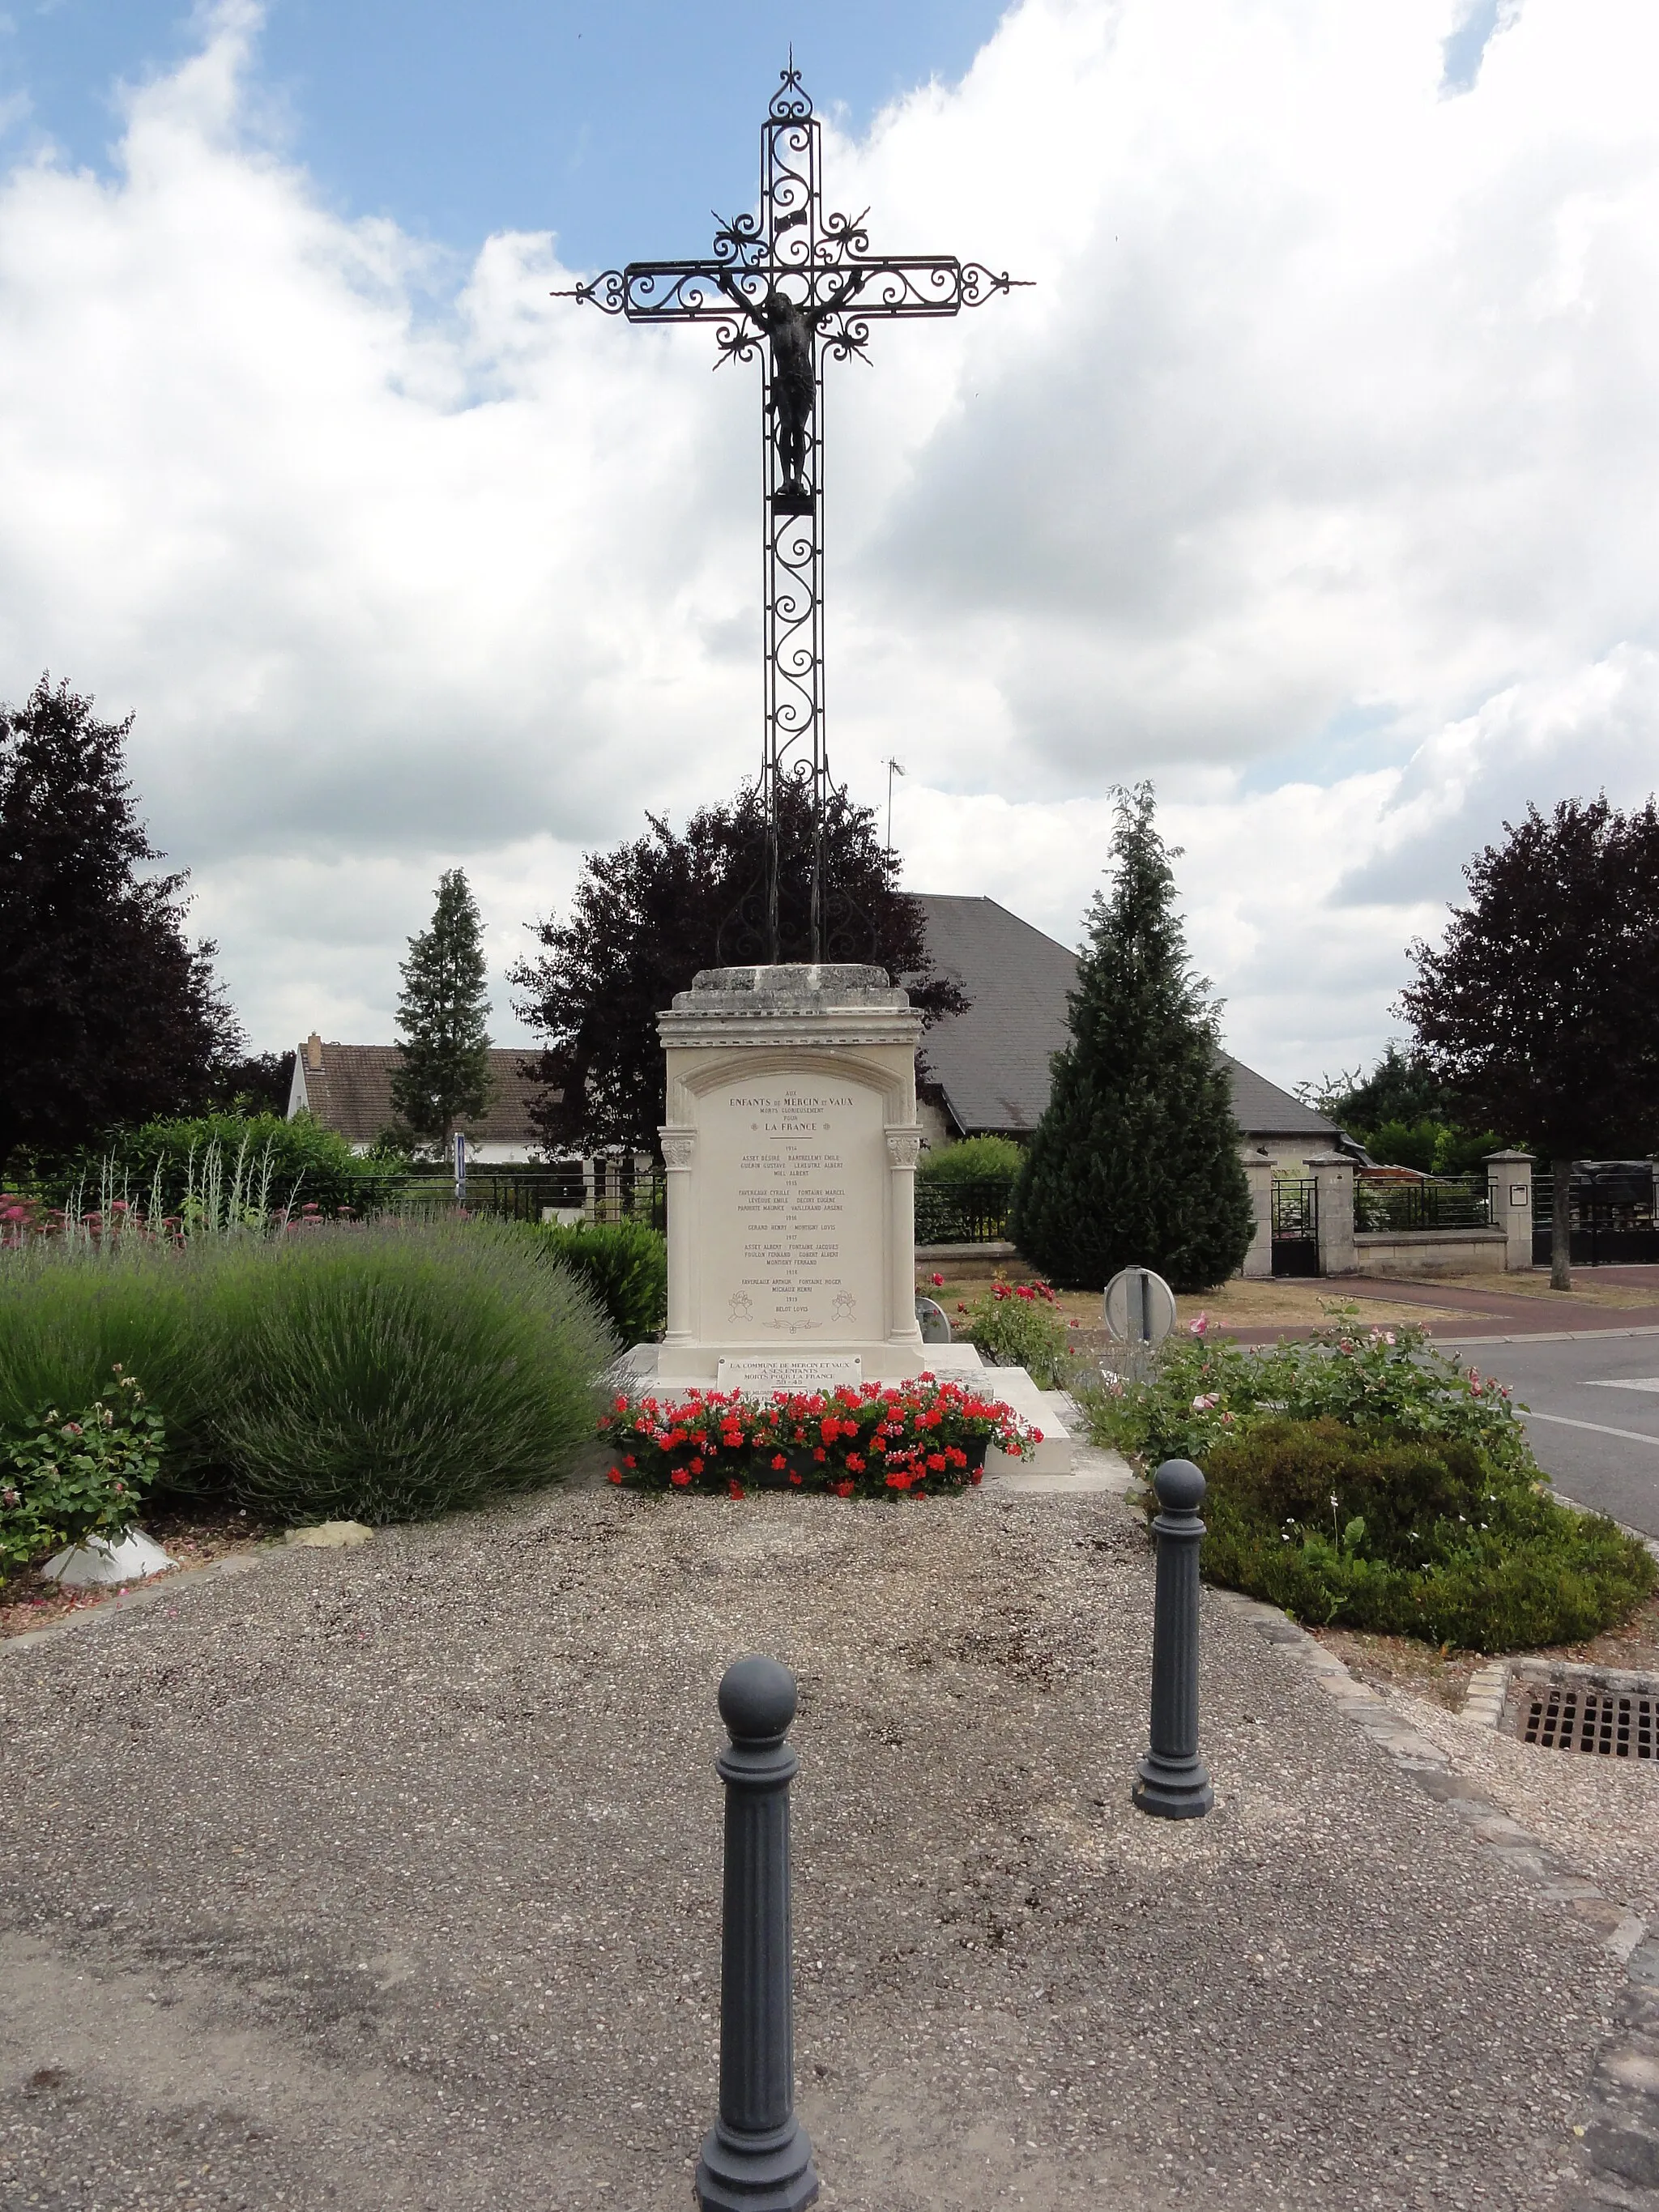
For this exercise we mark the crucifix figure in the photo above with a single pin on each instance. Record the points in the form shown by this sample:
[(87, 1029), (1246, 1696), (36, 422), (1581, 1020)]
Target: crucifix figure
[(789, 285)]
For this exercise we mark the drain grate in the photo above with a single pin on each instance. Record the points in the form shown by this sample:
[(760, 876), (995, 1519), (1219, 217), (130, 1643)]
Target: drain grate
[(1612, 1722)]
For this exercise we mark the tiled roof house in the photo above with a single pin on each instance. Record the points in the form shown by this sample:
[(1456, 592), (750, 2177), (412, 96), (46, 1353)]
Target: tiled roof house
[(348, 1087), (990, 1066)]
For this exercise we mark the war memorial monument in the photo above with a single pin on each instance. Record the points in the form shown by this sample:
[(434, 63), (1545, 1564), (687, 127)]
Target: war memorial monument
[(791, 1137)]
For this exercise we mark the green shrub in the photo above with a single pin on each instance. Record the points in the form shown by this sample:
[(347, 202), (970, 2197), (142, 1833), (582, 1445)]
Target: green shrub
[(68, 1317), (1198, 1393), (976, 1159), (1364, 1478), (374, 1373), (625, 1265), (307, 1166), (1406, 1537), (964, 1191), (394, 1372), (1016, 1324), (65, 1479)]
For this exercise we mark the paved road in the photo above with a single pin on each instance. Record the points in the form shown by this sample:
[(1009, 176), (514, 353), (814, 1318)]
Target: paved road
[(1595, 1415)]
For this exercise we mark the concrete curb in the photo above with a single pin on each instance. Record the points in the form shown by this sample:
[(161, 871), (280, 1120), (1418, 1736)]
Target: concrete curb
[(1621, 2142), (134, 1600)]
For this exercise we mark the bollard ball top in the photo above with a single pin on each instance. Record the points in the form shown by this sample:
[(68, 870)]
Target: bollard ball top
[(758, 1700), (1180, 1486)]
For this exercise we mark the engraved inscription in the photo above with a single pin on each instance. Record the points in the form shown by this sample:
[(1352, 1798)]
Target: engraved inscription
[(804, 1162)]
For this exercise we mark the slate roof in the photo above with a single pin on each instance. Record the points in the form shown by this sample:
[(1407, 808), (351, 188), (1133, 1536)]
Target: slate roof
[(992, 1063), (352, 1092)]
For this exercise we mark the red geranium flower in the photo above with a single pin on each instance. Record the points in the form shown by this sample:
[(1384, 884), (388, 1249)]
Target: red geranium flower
[(680, 1477), (615, 1475), (734, 1488)]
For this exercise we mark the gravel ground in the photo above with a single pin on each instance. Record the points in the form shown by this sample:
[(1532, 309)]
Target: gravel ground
[(389, 1878), (1600, 1816)]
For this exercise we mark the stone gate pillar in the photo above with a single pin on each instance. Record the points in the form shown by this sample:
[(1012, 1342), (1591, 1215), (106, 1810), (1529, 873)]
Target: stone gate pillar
[(1334, 1173), (1259, 1260), (1509, 1179)]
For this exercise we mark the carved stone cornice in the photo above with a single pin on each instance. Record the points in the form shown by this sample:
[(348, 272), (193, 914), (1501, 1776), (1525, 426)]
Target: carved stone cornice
[(741, 1030)]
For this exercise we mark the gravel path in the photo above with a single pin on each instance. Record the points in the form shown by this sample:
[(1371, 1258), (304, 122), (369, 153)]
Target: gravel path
[(389, 1878), (1601, 1816)]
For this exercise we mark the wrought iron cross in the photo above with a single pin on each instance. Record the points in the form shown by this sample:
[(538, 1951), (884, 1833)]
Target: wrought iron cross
[(790, 284)]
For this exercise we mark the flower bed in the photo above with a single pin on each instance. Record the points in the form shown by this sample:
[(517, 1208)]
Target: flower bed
[(1365, 1479), (896, 1440)]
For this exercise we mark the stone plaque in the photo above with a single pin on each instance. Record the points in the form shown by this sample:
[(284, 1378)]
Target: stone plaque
[(762, 1377), (793, 1170)]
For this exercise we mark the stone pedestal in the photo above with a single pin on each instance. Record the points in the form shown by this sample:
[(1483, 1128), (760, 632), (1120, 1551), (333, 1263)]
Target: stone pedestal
[(790, 1145), (1509, 1179)]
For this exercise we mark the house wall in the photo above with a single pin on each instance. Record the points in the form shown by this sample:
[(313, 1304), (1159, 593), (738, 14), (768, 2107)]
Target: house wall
[(1431, 1251), (1280, 1151), (936, 1130)]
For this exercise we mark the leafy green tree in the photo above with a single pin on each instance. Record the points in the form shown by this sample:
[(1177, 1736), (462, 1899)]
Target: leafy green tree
[(1404, 1114), (647, 916), (1402, 1087), (443, 1074), (1540, 1009), (107, 1014), (1135, 1162)]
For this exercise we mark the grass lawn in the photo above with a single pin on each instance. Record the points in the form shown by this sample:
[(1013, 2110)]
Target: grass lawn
[(1585, 1291), (1281, 1303)]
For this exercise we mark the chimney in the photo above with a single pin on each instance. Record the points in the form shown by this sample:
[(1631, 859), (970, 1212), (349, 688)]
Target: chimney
[(314, 1052)]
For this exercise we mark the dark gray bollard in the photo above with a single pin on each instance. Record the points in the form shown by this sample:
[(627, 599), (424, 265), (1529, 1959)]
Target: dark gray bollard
[(756, 2157), (1171, 1779)]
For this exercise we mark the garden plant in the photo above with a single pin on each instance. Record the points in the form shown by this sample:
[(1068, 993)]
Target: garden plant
[(911, 1439), (64, 1478), (1364, 1480), (377, 1372), (624, 1264), (1016, 1325)]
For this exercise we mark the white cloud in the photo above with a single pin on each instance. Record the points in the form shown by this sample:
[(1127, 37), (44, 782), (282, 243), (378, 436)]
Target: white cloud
[(1314, 480)]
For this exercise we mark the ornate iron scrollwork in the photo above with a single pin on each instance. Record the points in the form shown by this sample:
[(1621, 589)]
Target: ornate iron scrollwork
[(787, 286)]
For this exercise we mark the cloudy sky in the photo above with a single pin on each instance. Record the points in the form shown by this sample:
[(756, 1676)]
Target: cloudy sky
[(1315, 479)]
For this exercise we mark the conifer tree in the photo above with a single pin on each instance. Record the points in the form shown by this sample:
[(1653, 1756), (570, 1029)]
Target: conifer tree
[(443, 1071), (1135, 1163)]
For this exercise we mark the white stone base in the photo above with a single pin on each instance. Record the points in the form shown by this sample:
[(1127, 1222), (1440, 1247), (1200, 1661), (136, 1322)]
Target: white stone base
[(98, 1562), (696, 1365), (1013, 1385)]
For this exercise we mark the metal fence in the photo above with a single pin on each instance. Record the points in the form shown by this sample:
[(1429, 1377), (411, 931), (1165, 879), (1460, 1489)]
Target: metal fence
[(1441, 1202), (1295, 1225), (1612, 1221), (961, 1211), (606, 1188)]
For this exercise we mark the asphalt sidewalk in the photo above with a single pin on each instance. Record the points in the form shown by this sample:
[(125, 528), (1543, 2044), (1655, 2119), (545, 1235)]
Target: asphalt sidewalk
[(389, 1878)]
